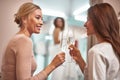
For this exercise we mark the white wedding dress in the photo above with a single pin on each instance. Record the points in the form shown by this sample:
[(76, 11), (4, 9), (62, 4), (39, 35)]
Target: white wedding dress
[(67, 71)]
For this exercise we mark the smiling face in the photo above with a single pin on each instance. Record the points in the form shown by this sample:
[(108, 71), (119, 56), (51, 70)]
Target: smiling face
[(34, 21)]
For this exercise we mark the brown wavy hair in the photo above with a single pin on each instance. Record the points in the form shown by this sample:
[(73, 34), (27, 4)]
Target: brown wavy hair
[(63, 21), (106, 24)]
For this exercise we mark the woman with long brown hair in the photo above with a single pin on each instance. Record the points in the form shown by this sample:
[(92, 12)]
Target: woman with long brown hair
[(104, 57)]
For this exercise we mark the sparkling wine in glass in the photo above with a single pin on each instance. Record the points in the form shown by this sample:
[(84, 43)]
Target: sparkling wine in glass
[(67, 39), (71, 40)]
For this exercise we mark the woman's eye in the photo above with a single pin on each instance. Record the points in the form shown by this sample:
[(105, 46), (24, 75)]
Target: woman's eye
[(37, 17)]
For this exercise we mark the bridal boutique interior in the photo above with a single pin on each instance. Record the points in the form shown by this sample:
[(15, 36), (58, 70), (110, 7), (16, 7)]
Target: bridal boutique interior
[(75, 14)]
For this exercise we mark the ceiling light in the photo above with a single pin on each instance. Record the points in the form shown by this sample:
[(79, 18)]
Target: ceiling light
[(81, 18), (81, 9), (53, 13)]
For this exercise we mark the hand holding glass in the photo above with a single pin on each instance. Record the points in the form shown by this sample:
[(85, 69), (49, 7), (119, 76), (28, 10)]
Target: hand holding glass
[(67, 39)]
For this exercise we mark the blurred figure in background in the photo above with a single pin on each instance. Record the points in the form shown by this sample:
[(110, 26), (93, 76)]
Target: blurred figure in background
[(18, 61), (66, 71), (104, 57), (59, 24)]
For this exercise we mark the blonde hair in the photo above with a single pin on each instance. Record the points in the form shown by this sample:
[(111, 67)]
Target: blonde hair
[(24, 11)]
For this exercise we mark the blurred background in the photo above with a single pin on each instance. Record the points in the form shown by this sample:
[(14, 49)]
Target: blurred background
[(73, 11)]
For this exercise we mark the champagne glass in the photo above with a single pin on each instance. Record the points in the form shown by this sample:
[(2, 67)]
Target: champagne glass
[(71, 40), (63, 44), (67, 39), (64, 41)]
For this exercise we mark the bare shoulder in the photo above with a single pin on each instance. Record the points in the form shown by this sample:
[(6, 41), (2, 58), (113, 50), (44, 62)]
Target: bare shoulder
[(57, 30)]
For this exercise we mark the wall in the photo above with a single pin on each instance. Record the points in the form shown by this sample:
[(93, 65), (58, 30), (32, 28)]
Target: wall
[(7, 26), (115, 4)]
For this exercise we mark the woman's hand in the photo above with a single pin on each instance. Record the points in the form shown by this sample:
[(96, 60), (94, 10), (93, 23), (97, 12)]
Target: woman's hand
[(58, 59), (75, 53)]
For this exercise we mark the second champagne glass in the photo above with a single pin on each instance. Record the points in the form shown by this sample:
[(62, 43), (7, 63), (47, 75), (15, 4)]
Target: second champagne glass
[(68, 38)]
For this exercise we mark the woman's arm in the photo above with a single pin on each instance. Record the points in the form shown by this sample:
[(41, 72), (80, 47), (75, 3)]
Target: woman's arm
[(57, 61), (75, 53), (23, 59), (24, 62), (96, 65), (56, 35)]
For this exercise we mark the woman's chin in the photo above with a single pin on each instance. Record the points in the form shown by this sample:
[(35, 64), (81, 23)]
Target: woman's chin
[(37, 32), (88, 34)]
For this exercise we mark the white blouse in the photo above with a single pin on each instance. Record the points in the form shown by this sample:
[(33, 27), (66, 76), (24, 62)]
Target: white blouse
[(103, 63)]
